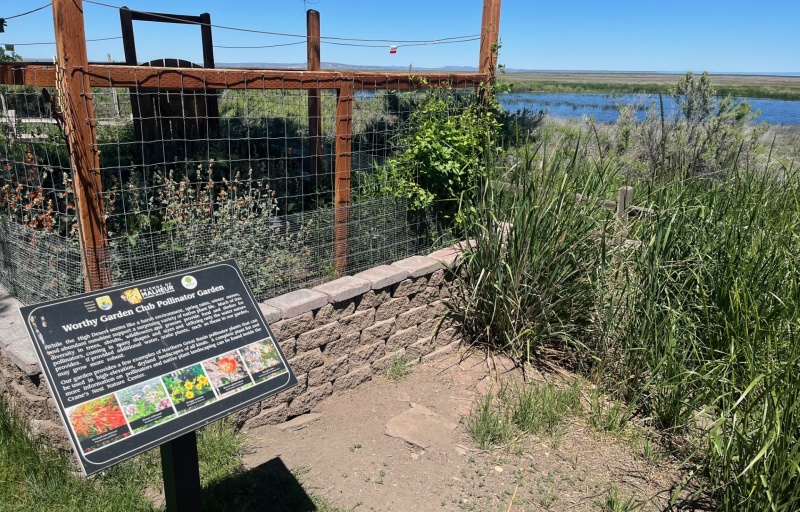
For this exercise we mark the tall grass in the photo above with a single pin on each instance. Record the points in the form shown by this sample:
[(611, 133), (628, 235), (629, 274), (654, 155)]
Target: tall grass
[(526, 282), (695, 327), (709, 330)]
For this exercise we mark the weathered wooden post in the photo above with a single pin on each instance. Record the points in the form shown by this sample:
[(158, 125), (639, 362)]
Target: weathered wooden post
[(79, 126), (490, 32), (624, 202), (314, 100), (344, 148)]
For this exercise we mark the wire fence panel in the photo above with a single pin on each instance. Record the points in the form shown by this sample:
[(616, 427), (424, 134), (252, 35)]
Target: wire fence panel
[(181, 188)]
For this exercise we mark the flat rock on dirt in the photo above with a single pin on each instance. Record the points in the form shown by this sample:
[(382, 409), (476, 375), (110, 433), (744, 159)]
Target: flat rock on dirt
[(423, 428)]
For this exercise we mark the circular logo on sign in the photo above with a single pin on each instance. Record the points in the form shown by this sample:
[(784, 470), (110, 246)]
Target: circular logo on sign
[(189, 282)]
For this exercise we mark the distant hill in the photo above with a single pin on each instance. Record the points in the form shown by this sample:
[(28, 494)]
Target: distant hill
[(340, 66)]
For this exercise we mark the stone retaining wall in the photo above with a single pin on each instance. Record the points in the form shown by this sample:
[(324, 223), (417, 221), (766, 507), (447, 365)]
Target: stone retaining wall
[(335, 336)]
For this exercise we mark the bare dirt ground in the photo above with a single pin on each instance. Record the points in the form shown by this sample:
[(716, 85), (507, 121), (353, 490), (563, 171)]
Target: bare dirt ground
[(649, 78), (344, 453)]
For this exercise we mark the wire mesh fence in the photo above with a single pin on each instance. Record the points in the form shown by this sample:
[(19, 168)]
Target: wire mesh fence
[(182, 188)]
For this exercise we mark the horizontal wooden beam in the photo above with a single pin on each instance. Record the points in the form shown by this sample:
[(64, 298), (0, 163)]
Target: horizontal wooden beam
[(27, 73), (164, 18), (37, 74)]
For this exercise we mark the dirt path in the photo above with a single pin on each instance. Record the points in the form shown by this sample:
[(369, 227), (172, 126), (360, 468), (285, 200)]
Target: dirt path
[(342, 452)]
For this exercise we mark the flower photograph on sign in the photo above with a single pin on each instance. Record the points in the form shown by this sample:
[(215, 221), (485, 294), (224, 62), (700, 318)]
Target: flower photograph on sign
[(145, 404), (93, 419), (227, 373), (262, 360), (189, 388)]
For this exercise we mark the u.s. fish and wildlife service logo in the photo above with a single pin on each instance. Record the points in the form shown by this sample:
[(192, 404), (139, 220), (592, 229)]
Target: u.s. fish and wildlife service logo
[(132, 296), (104, 302), (189, 282)]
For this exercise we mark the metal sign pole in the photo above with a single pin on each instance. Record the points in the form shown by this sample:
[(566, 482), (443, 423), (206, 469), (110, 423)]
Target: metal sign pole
[(181, 469)]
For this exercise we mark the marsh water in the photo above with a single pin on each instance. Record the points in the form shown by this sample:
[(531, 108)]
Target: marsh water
[(605, 107)]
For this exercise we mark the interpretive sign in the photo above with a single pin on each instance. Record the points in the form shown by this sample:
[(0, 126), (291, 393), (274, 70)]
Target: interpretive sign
[(134, 366)]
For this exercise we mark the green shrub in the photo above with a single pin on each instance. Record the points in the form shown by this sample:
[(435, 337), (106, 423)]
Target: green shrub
[(444, 144)]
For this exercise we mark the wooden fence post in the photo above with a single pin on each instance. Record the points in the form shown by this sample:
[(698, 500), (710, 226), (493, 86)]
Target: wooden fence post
[(344, 148), (79, 126), (624, 203), (490, 31), (314, 101)]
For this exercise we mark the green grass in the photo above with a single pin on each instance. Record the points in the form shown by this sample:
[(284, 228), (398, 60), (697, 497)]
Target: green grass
[(397, 369), (34, 476), (744, 91), (488, 423), (543, 407)]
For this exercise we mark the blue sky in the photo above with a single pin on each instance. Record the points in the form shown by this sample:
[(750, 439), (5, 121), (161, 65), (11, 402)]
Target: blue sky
[(620, 35)]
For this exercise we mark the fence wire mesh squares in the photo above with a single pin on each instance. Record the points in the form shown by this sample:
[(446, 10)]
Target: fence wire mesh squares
[(258, 178)]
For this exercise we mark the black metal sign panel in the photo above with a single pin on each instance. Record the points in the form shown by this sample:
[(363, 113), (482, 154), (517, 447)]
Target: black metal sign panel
[(132, 367)]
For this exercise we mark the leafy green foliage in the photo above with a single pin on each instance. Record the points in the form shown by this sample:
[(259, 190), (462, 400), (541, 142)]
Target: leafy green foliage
[(445, 143)]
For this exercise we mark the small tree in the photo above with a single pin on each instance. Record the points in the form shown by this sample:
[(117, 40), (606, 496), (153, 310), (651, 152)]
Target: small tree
[(9, 57)]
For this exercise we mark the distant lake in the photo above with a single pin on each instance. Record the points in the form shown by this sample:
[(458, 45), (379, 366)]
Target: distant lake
[(604, 106)]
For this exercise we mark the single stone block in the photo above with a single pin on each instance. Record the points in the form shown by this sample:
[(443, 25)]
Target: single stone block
[(22, 353), (305, 402), (352, 379), (328, 372), (271, 313), (413, 317), (447, 256), (447, 336), (368, 354), (391, 308), (437, 279), (418, 266), (271, 416), (291, 327), (343, 346), (358, 321), (344, 288), (410, 287), (288, 347), (296, 303), (428, 295), (383, 276), (438, 308), (377, 332), (317, 337), (374, 298), (334, 312), (461, 246), (402, 339), (305, 361), (428, 327), (421, 348)]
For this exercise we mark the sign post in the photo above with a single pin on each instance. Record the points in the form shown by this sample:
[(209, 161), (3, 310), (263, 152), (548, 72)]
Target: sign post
[(145, 364), (181, 470)]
